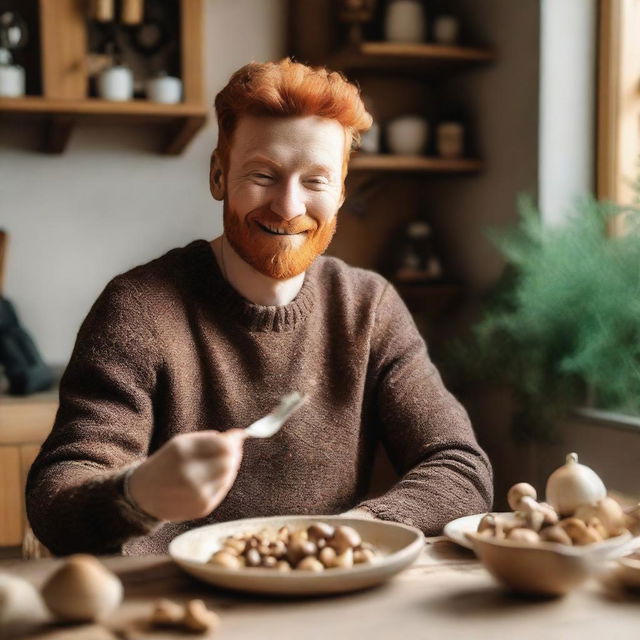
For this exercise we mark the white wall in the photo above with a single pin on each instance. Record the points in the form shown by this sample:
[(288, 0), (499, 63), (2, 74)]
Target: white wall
[(567, 104), (109, 203)]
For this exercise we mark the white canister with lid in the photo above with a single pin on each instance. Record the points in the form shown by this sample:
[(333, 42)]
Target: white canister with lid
[(405, 21), (116, 84), (165, 89)]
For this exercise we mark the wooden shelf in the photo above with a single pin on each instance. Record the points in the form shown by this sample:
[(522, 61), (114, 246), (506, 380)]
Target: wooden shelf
[(181, 121), (431, 298), (390, 162), (61, 100), (422, 57)]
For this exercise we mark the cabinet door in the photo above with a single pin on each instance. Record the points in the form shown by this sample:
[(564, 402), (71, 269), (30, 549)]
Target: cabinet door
[(28, 453), (11, 509)]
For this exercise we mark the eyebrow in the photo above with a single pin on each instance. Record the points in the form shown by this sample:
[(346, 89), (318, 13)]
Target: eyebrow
[(259, 158)]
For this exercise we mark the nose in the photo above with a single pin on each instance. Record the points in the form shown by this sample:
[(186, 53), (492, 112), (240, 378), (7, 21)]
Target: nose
[(288, 201)]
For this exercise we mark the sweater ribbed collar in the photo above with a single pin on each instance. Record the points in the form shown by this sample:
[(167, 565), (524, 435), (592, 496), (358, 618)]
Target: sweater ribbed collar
[(254, 317)]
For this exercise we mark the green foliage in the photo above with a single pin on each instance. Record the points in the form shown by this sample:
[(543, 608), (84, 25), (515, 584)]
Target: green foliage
[(564, 319)]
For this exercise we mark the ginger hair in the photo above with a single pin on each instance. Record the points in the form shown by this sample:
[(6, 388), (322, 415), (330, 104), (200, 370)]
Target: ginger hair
[(288, 89)]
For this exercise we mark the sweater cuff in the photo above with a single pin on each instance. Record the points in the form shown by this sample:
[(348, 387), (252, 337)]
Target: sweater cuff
[(130, 509)]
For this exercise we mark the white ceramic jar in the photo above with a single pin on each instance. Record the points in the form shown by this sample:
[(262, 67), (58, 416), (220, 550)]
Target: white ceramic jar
[(370, 139), (446, 30), (165, 89), (116, 84), (405, 21), (407, 135), (12, 81)]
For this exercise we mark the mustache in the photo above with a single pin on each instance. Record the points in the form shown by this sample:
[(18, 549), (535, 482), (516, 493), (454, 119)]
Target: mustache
[(298, 224)]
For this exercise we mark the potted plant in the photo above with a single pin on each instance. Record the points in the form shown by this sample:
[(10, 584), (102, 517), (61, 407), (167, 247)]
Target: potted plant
[(562, 327)]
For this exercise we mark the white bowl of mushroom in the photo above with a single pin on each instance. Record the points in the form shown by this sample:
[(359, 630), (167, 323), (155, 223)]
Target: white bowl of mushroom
[(550, 547), (297, 555)]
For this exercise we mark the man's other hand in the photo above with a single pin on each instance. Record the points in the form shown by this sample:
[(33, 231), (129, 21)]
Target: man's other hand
[(189, 476)]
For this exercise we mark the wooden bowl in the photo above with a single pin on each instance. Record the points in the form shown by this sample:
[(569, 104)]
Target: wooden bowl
[(629, 571), (549, 568), (399, 545)]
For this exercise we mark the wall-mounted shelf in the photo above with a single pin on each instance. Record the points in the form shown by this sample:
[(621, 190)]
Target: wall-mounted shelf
[(180, 121), (421, 57), (424, 164), (61, 97)]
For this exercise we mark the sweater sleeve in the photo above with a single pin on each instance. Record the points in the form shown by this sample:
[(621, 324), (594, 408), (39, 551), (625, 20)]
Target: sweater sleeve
[(424, 429), (104, 424)]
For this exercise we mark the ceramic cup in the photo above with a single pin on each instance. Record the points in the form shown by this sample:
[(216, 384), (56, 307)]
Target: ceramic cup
[(446, 30), (12, 81), (407, 135), (165, 89), (405, 21), (116, 84)]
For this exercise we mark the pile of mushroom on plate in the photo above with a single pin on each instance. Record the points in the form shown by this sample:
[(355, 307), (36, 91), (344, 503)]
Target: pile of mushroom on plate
[(577, 512), (316, 548)]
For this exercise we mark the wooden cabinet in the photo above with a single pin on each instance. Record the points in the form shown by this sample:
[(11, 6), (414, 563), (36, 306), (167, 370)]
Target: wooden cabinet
[(24, 425), (58, 95), (385, 192)]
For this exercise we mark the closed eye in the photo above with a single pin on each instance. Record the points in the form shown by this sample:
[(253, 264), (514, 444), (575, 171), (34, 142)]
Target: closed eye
[(317, 181)]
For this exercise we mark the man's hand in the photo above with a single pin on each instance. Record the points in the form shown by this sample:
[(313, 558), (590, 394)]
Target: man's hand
[(189, 476)]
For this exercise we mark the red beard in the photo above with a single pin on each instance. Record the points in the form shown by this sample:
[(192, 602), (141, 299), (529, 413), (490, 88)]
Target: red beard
[(274, 256)]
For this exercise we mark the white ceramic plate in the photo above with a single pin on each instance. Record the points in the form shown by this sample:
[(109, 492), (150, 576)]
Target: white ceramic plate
[(399, 544), (456, 529)]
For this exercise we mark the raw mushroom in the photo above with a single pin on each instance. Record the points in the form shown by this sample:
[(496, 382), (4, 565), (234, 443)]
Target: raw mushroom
[(83, 589), (518, 492), (578, 531), (608, 512), (572, 485), (555, 533), (21, 606), (166, 613), (523, 535), (198, 618)]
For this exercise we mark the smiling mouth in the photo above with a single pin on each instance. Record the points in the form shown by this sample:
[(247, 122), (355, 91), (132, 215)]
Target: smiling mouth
[(274, 231)]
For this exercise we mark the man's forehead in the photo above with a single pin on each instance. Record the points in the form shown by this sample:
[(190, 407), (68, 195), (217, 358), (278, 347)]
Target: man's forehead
[(310, 137)]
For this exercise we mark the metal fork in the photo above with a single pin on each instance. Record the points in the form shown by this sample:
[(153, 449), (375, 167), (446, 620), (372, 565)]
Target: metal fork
[(270, 424)]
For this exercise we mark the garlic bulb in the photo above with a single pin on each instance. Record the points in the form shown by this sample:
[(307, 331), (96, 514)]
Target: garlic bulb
[(572, 485), (83, 589)]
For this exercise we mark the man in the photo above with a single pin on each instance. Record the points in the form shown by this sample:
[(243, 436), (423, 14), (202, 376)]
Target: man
[(176, 357)]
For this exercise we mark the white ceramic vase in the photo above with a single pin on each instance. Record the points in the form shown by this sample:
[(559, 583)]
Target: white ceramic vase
[(405, 21), (165, 89), (12, 81), (407, 135), (116, 84)]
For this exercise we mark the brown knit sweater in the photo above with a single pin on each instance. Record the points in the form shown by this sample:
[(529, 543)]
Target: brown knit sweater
[(170, 347)]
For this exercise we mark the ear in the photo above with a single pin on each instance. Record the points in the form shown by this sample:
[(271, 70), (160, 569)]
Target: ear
[(216, 177)]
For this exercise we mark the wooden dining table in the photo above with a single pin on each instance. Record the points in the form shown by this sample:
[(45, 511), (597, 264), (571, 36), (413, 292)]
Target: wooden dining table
[(446, 594)]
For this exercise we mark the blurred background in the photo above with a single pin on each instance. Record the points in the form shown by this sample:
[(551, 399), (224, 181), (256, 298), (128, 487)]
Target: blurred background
[(106, 129)]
